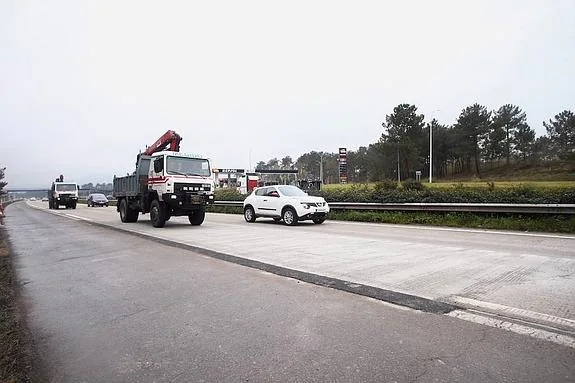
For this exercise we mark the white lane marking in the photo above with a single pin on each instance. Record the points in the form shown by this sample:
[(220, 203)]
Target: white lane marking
[(434, 228), (78, 217), (512, 311), (563, 340)]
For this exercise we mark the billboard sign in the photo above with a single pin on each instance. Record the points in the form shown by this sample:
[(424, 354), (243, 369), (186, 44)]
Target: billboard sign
[(342, 159)]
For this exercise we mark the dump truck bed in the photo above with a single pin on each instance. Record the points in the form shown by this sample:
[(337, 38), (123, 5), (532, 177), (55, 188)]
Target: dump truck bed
[(134, 184)]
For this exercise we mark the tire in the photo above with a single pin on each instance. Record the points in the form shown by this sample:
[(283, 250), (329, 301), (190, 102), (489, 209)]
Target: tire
[(249, 214), (73, 206), (197, 217), (127, 215), (157, 213), (289, 216), (318, 221), (55, 205), (124, 210)]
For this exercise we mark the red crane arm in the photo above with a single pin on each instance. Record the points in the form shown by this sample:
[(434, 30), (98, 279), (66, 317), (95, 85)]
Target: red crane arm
[(169, 138)]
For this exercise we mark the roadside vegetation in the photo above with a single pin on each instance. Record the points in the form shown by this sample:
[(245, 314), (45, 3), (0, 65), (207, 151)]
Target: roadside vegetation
[(389, 191), (14, 361)]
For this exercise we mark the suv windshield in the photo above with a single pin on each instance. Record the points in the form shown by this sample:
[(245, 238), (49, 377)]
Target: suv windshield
[(188, 166), (98, 196), (291, 191), (66, 187)]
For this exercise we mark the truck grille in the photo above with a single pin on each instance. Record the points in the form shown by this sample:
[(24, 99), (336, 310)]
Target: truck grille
[(189, 188)]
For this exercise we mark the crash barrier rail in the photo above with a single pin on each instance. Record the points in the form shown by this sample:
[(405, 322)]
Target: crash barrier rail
[(445, 207)]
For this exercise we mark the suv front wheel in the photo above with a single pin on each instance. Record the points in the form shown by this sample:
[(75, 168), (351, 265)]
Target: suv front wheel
[(249, 214), (289, 216)]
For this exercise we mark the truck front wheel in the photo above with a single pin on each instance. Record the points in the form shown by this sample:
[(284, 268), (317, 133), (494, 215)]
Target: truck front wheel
[(197, 217), (158, 213)]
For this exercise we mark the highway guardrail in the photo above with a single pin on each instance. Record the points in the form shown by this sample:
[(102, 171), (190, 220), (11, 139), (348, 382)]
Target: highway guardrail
[(445, 207)]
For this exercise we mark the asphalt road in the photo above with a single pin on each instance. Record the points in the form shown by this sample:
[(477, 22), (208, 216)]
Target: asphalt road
[(109, 306), (528, 276)]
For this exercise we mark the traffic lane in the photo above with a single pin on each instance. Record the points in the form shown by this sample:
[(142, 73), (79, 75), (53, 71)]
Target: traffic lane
[(527, 278), (106, 306), (548, 244)]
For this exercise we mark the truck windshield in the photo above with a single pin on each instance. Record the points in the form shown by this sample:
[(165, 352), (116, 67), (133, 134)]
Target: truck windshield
[(66, 187), (188, 166)]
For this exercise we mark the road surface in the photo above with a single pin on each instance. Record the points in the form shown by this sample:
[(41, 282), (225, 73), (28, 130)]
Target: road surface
[(108, 306), (528, 276)]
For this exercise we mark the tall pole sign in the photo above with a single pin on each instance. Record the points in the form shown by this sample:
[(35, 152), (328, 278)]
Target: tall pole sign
[(342, 165)]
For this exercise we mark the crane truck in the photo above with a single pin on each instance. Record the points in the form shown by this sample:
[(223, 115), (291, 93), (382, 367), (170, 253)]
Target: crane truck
[(63, 193), (166, 183)]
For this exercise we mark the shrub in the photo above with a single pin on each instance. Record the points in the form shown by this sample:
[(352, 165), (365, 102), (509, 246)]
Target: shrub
[(228, 194), (384, 186), (363, 193), (412, 185)]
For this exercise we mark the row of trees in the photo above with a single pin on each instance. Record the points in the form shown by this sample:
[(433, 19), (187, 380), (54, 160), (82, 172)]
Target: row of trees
[(480, 139), (101, 187), (2, 182)]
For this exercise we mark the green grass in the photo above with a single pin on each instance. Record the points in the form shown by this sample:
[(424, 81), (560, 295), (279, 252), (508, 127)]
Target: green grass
[(540, 185), (523, 222), (505, 184)]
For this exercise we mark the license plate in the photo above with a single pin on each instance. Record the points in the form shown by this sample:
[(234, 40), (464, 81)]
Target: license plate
[(195, 199)]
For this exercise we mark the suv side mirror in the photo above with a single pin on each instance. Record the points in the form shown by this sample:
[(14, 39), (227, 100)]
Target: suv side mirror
[(159, 164)]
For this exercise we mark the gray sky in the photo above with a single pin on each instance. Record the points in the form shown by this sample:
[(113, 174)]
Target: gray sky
[(84, 85)]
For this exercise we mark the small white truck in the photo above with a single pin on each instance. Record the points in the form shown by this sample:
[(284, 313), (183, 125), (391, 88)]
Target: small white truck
[(63, 194), (166, 183)]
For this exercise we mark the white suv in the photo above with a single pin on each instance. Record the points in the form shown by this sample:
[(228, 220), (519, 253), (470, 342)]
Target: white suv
[(285, 202)]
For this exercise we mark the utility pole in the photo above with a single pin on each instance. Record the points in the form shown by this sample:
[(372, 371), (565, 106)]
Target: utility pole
[(398, 171), (321, 168), (431, 145), (430, 150)]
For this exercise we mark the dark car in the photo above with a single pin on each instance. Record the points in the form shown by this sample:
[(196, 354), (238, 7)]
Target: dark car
[(97, 199)]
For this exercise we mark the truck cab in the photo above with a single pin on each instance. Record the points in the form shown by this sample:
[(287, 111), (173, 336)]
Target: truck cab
[(180, 179)]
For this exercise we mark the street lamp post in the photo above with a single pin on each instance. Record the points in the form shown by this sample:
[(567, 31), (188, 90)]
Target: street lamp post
[(431, 146), (321, 168), (398, 170), (430, 150)]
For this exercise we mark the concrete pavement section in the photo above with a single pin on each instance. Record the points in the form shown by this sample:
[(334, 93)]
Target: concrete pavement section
[(104, 306), (526, 276)]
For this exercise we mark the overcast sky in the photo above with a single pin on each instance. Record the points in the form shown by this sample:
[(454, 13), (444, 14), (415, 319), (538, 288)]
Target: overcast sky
[(84, 85)]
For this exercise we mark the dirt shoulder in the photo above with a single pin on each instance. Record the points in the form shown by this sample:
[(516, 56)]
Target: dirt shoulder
[(15, 357)]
